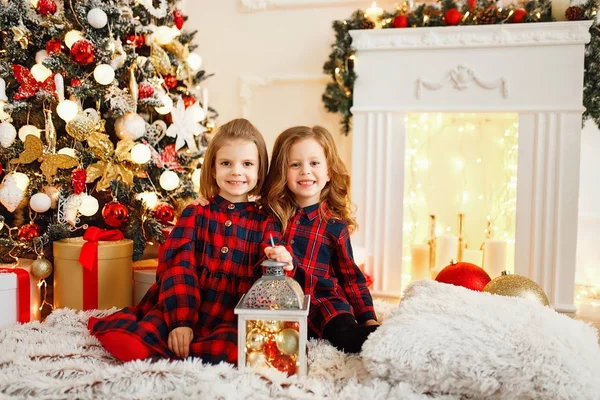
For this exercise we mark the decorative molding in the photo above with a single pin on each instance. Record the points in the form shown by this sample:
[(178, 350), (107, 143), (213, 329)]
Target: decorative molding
[(501, 35), (461, 78), (248, 85), (265, 5)]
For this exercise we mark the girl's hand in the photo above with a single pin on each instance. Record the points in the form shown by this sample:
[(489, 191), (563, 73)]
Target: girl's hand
[(200, 201), (180, 340), (371, 322), (281, 254)]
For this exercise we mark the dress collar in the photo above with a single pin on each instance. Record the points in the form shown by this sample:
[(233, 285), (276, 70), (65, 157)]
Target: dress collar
[(226, 205), (311, 211)]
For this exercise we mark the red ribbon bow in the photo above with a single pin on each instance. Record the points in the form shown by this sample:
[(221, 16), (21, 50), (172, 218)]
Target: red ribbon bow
[(89, 260), (23, 295)]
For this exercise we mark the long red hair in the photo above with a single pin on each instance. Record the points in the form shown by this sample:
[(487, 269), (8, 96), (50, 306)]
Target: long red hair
[(279, 200)]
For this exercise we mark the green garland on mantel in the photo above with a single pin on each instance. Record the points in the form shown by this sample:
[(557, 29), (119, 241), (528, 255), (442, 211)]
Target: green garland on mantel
[(340, 65)]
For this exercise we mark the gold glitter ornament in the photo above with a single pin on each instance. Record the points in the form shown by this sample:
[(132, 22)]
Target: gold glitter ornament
[(81, 127), (271, 326), (288, 341), (178, 49), (255, 340), (50, 163), (41, 268), (20, 35), (517, 286), (160, 59)]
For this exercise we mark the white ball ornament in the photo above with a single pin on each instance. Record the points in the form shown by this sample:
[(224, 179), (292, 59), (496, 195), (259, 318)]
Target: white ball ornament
[(169, 180), (130, 126), (73, 36), (97, 18), (167, 105), (40, 202), (150, 199), (68, 152), (140, 153), (104, 74), (8, 134), (89, 205), (194, 61), (67, 110), (27, 130)]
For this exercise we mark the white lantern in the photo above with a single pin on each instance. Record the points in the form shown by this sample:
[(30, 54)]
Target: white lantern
[(165, 34), (27, 130), (104, 74), (71, 37), (196, 178), (274, 309), (21, 180), (140, 153), (150, 199), (169, 180), (97, 18), (194, 61), (68, 152), (40, 73), (89, 205), (40, 202), (67, 110), (167, 107)]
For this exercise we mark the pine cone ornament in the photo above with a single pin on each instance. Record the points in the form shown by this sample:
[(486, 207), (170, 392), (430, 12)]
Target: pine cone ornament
[(367, 24), (78, 177), (487, 16), (574, 13)]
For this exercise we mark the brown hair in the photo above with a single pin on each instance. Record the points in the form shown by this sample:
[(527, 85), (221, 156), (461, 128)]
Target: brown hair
[(280, 200), (238, 129)]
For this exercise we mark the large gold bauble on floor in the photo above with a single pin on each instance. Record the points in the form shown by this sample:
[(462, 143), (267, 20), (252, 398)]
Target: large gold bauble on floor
[(517, 286)]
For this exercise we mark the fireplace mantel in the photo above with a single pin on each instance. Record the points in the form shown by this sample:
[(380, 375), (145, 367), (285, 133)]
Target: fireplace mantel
[(535, 70)]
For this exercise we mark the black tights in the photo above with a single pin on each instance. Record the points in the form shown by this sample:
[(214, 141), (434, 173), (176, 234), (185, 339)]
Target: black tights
[(346, 334)]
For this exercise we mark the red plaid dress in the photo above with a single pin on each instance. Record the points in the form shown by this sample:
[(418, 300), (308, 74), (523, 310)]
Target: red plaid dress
[(326, 268), (210, 260)]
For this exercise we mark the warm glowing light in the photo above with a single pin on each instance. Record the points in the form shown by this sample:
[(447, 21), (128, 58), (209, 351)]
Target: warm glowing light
[(89, 205), (27, 130), (140, 153), (150, 199), (71, 37), (68, 151), (40, 73), (167, 104), (21, 180), (67, 110), (104, 74), (169, 180), (194, 61)]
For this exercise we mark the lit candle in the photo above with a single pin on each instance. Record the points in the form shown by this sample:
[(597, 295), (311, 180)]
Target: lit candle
[(373, 13), (446, 250), (494, 257), (473, 256), (558, 9), (420, 262)]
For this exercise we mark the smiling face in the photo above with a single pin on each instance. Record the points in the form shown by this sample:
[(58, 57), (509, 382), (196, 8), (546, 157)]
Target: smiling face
[(307, 172), (236, 170)]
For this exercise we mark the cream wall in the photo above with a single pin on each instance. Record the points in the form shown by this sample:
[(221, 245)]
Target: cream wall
[(268, 68), (268, 63)]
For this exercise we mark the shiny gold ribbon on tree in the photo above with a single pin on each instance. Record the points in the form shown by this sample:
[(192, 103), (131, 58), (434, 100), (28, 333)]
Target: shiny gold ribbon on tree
[(112, 162), (160, 59)]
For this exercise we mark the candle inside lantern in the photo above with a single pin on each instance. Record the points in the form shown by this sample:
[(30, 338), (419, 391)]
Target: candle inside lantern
[(420, 262), (374, 13)]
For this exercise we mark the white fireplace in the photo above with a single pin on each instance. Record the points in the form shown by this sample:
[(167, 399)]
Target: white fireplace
[(535, 72)]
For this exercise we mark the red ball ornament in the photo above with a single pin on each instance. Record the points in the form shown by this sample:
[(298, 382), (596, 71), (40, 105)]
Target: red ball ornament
[(115, 213), (189, 101), (178, 18), (464, 274), (29, 231), (78, 177), (270, 350), (1, 170), (453, 17), (518, 15), (471, 4), (75, 82), (400, 21), (53, 46), (285, 363), (164, 212), (46, 7), (171, 81), (291, 325), (82, 52), (145, 90), (136, 40)]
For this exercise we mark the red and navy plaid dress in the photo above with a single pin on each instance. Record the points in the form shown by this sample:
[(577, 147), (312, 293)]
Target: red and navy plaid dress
[(211, 259), (326, 268)]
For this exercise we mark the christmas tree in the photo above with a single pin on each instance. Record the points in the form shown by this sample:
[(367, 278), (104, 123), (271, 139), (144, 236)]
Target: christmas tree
[(103, 120)]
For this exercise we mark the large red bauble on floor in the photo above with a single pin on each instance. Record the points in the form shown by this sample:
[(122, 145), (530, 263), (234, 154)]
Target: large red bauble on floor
[(464, 274), (115, 213)]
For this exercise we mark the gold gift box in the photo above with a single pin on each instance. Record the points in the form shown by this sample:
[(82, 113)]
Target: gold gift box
[(114, 273)]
